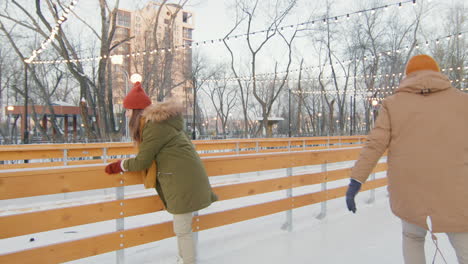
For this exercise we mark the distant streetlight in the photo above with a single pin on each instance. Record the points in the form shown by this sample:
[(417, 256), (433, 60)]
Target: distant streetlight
[(289, 112), (135, 78), (320, 123), (216, 124), (26, 98), (374, 106), (118, 60)]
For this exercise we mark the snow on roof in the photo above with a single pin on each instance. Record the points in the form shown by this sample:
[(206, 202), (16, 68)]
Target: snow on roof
[(259, 118), (61, 103)]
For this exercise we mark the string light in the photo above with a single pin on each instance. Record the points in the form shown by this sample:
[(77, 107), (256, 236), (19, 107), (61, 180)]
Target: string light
[(379, 93), (53, 33), (363, 59), (217, 41), (350, 92), (383, 90)]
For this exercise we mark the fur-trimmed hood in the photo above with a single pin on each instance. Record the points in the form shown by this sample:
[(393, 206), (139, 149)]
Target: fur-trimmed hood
[(163, 111)]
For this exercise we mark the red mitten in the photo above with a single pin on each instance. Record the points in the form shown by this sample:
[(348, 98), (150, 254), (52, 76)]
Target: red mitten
[(114, 167)]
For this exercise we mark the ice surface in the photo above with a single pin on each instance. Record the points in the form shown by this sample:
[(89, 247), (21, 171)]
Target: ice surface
[(372, 235)]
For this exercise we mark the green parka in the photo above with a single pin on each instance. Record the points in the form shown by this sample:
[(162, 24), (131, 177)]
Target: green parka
[(182, 182)]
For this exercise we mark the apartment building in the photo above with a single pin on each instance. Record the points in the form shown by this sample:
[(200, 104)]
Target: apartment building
[(157, 37)]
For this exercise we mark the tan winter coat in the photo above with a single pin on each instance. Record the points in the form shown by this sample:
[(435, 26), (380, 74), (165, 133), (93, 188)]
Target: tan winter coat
[(425, 128)]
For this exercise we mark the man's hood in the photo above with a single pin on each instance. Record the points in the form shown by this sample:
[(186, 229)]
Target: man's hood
[(424, 82)]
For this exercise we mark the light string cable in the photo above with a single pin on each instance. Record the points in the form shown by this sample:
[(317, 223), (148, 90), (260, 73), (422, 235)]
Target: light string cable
[(220, 41), (376, 93), (381, 75), (381, 90), (258, 77), (53, 33)]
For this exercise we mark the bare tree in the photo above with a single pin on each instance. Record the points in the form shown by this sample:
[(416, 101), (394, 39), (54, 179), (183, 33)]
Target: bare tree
[(223, 98), (201, 72), (453, 53), (249, 13), (8, 76), (94, 89), (244, 87)]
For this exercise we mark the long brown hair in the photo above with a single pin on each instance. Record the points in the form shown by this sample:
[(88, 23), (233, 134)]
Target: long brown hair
[(134, 125)]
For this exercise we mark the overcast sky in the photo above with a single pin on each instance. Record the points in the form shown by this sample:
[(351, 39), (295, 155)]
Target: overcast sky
[(214, 18)]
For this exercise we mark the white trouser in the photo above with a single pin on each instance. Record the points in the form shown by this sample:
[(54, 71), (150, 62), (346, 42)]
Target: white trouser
[(185, 242), (413, 244)]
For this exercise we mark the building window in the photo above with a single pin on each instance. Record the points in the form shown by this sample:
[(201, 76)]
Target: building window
[(123, 19), (187, 17), (187, 33)]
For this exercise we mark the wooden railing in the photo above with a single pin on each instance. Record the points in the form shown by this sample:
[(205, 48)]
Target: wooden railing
[(45, 181), (47, 155)]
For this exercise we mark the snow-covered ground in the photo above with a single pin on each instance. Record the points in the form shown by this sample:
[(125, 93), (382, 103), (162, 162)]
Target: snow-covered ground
[(373, 235)]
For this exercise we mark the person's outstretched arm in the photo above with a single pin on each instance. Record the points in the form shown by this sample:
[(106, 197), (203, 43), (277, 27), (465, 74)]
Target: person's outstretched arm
[(377, 142)]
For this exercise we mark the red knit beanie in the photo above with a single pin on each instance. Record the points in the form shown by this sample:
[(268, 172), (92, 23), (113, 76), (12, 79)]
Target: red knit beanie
[(136, 98), (420, 63)]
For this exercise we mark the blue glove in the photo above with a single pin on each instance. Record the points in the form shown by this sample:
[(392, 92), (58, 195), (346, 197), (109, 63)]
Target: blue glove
[(353, 188)]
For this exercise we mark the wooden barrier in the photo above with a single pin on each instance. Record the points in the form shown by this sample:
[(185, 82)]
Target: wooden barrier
[(44, 181), (51, 155)]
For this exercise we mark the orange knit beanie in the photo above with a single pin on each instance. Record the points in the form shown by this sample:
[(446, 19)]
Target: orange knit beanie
[(421, 63), (136, 98)]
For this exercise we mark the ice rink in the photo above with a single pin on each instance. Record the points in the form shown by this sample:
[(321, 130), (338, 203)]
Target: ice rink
[(372, 235)]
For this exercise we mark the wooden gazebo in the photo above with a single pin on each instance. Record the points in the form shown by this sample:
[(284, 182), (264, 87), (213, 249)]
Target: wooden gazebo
[(61, 110)]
